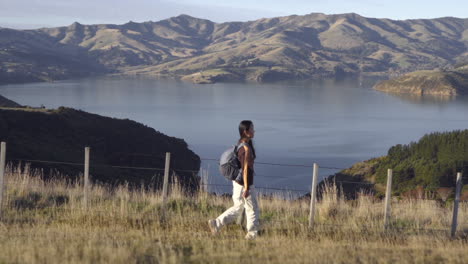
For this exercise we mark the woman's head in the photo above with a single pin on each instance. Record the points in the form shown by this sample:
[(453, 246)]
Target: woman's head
[(246, 130)]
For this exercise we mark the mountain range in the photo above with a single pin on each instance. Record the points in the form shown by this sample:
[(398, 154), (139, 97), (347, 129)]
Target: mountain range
[(269, 49)]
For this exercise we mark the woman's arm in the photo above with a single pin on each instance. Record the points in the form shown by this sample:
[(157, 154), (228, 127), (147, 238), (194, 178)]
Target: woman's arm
[(245, 171)]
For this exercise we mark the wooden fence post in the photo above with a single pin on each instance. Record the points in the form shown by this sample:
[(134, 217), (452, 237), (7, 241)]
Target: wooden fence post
[(205, 180), (202, 180), (313, 194), (86, 178), (205, 173), (456, 204), (166, 177), (388, 197), (2, 173)]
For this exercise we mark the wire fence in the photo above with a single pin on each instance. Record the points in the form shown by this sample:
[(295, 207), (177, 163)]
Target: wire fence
[(363, 183), (284, 164), (195, 172), (168, 169)]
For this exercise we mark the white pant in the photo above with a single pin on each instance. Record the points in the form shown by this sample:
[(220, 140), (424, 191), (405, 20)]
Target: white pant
[(250, 204)]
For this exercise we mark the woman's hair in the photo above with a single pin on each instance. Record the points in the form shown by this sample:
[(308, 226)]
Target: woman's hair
[(244, 126)]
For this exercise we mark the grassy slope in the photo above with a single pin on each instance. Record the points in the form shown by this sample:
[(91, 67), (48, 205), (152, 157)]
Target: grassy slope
[(45, 222), (30, 55), (444, 83)]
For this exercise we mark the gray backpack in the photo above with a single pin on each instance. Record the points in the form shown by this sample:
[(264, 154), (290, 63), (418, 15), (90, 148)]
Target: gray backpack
[(229, 164)]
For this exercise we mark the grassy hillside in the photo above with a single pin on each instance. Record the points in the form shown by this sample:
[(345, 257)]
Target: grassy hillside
[(29, 55), (287, 47), (438, 83), (60, 136), (46, 222), (429, 165)]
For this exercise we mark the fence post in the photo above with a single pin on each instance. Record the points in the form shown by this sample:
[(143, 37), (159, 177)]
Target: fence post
[(166, 176), (204, 179), (86, 177), (456, 204), (313, 194), (2, 173), (388, 197)]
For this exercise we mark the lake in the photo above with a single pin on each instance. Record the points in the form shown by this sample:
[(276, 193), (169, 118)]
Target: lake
[(333, 123)]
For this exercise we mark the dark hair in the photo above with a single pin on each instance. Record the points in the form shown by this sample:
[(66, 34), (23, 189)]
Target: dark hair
[(244, 126)]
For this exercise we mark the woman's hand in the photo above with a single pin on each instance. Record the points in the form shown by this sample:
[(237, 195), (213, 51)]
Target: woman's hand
[(246, 193)]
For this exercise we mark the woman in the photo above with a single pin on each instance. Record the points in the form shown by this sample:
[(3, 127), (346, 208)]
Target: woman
[(243, 193)]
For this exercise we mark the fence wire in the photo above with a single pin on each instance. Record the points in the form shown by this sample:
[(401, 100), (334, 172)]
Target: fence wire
[(197, 171), (285, 164)]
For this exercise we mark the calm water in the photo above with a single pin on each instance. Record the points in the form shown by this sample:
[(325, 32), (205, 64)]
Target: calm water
[(333, 123)]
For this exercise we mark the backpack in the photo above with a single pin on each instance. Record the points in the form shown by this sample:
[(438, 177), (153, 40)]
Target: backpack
[(229, 164)]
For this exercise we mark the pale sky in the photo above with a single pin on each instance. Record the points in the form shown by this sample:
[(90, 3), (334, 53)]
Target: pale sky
[(52, 13)]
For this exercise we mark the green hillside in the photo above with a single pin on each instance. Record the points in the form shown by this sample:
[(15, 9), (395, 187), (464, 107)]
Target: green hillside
[(431, 163)]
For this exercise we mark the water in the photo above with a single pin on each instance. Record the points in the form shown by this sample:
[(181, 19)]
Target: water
[(333, 123)]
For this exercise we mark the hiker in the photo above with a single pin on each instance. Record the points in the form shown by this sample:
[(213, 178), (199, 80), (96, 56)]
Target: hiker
[(243, 191)]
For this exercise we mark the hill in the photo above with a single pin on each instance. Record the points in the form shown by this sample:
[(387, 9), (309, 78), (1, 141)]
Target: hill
[(439, 83), (5, 102), (430, 165), (31, 56), (61, 135), (200, 50)]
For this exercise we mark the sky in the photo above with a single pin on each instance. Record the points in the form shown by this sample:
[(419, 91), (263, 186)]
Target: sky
[(28, 14)]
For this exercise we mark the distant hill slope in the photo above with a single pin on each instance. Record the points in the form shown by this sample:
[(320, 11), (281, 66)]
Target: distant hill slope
[(440, 83), (30, 55), (61, 135), (263, 50), (429, 165), (5, 102)]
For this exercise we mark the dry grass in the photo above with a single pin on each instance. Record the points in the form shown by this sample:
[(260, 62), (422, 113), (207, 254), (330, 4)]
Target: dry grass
[(45, 222)]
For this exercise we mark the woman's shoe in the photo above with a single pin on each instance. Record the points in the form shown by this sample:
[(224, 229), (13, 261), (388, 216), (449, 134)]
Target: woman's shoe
[(213, 226), (251, 235)]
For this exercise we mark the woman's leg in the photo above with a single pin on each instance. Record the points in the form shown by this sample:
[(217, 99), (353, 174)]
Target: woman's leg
[(252, 213), (231, 214)]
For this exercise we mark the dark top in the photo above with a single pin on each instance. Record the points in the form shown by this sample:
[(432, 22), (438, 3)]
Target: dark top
[(250, 168)]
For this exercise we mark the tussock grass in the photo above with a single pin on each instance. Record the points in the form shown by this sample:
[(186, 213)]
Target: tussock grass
[(44, 221)]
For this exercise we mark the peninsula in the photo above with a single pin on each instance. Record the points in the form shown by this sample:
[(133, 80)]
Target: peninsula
[(435, 83)]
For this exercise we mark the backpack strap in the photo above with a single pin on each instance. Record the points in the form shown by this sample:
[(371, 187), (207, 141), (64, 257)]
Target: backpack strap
[(240, 145)]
